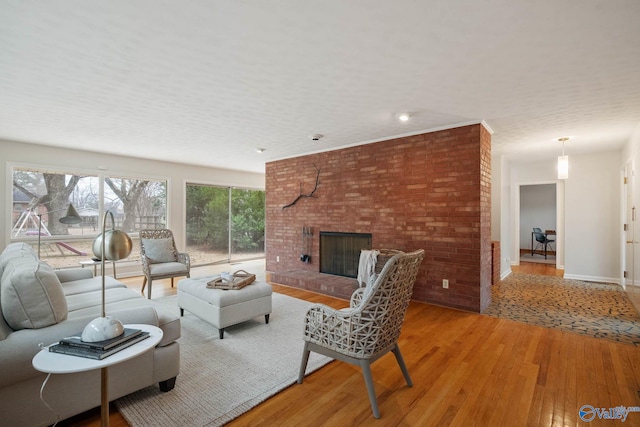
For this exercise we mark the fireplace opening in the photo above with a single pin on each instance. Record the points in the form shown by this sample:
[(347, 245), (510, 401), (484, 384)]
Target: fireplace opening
[(340, 252)]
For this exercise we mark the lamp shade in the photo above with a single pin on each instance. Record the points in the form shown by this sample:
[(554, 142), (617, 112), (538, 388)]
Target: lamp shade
[(72, 216), (117, 245), (563, 167)]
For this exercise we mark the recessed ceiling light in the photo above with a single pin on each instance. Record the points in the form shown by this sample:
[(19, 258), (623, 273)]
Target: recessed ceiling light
[(403, 117), (316, 137), (260, 150)]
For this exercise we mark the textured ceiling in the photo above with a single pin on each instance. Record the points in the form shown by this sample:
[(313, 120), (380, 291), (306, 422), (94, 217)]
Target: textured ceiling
[(208, 82)]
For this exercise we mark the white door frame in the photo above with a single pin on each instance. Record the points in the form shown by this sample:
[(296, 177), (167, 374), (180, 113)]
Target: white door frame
[(627, 204), (515, 232)]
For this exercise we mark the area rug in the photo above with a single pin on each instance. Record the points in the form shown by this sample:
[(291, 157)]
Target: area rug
[(527, 257), (219, 380), (600, 310)]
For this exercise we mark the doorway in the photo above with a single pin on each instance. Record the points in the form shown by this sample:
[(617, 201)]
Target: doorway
[(538, 223)]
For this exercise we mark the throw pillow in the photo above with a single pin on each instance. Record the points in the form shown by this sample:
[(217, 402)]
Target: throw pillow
[(31, 295), (159, 250), (16, 250)]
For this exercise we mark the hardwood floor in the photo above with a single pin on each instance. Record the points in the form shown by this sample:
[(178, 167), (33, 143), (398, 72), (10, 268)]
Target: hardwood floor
[(467, 369), (537, 268)]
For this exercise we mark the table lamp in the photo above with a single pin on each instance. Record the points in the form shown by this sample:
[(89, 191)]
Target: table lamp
[(112, 245)]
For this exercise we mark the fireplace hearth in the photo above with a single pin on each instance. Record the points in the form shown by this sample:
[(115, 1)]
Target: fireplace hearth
[(340, 252)]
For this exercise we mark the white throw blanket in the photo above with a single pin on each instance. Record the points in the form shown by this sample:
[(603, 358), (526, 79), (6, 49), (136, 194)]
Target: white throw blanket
[(367, 266)]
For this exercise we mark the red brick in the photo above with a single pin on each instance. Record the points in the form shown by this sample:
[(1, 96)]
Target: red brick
[(429, 191)]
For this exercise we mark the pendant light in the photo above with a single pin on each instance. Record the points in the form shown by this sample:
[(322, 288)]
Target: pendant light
[(563, 162)]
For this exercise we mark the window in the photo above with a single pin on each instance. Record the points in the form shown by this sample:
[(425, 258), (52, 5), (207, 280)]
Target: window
[(224, 224), (136, 204), (44, 196)]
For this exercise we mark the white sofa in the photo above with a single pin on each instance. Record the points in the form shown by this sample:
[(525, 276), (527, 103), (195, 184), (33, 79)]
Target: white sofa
[(39, 305)]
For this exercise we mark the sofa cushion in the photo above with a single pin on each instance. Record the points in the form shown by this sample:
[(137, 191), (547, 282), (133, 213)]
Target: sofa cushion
[(12, 251), (159, 250), (16, 250), (31, 295), (89, 304), (19, 248), (89, 285)]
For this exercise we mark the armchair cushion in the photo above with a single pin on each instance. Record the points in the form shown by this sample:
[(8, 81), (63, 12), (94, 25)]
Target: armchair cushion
[(168, 268), (31, 298), (159, 250)]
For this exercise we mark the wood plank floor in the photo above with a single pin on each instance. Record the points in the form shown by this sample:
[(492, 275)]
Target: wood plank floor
[(537, 268), (467, 369)]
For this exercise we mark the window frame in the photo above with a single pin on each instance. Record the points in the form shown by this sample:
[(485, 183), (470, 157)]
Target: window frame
[(229, 188), (99, 173)]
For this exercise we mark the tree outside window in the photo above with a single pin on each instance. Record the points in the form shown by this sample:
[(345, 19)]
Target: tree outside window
[(224, 223), (41, 194)]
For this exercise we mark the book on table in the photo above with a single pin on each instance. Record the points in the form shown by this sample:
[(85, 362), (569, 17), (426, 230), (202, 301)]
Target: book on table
[(97, 353), (76, 341)]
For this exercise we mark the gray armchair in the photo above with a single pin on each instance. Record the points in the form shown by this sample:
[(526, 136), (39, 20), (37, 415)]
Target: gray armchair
[(160, 258), (370, 328)]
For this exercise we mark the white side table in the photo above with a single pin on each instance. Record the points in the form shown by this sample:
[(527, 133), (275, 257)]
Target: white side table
[(56, 363), (95, 265)]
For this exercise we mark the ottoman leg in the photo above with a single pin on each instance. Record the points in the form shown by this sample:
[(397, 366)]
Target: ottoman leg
[(266, 319), (221, 332)]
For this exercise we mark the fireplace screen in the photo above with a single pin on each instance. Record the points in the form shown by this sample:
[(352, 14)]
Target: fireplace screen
[(340, 252)]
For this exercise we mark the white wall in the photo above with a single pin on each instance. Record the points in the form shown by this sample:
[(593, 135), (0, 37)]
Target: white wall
[(537, 209), (500, 210), (176, 174), (592, 222)]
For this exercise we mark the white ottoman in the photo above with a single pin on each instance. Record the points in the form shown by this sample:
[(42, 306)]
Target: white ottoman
[(224, 308)]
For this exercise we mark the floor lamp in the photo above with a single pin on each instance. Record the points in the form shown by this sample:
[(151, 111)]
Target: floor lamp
[(72, 217)]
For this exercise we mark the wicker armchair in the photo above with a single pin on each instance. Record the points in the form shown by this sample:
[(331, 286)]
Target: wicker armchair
[(370, 328), (160, 258)]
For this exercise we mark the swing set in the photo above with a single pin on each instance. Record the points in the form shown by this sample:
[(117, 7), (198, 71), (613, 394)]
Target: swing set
[(29, 220)]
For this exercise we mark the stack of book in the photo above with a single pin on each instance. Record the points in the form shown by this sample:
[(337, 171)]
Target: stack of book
[(98, 350)]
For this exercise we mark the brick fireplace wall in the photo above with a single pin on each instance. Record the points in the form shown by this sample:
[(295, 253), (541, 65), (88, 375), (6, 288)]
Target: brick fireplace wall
[(429, 191)]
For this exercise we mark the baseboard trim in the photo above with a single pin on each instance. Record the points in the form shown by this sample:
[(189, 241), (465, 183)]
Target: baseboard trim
[(592, 278)]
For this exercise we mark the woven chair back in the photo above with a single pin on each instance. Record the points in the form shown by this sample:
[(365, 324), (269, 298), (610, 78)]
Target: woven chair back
[(383, 308), (162, 233)]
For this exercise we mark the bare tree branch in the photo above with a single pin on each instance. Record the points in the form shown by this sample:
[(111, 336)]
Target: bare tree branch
[(25, 190), (300, 196)]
